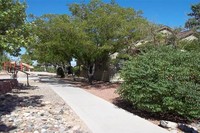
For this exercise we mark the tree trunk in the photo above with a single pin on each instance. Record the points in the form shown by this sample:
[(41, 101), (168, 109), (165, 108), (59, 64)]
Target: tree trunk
[(91, 70)]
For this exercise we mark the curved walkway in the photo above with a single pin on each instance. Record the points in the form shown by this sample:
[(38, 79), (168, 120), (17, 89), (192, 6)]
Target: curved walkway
[(99, 115)]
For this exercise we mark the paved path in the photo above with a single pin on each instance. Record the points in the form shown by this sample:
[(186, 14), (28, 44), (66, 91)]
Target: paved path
[(101, 116)]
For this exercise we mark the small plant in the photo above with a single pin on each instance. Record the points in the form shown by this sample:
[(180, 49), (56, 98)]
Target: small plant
[(77, 70), (38, 68), (190, 45), (60, 72), (163, 79), (51, 70)]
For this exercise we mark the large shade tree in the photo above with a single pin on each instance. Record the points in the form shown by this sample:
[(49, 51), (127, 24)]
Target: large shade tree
[(56, 37), (106, 29), (91, 34)]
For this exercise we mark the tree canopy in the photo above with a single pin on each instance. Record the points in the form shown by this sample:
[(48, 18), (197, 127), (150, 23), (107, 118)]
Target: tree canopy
[(56, 38), (14, 31), (106, 28), (194, 21), (91, 34)]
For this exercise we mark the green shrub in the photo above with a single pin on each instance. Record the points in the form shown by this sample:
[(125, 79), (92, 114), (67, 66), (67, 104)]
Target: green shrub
[(60, 72), (77, 70), (41, 69), (164, 80), (38, 68), (190, 45), (51, 70)]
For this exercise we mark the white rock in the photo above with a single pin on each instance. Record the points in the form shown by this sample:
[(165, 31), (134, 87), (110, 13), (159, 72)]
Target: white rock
[(168, 124), (7, 116), (13, 114), (35, 132), (10, 120), (26, 114), (46, 102), (44, 119), (76, 128), (14, 125), (56, 126), (43, 131), (62, 130), (173, 131), (70, 131)]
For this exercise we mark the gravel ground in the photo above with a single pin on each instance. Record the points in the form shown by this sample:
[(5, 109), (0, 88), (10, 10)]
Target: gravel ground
[(37, 110)]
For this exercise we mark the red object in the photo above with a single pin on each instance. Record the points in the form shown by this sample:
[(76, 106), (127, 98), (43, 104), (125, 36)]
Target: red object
[(21, 66), (13, 66)]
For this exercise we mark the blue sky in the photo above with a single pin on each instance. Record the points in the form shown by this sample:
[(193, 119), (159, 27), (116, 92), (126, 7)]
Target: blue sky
[(172, 13)]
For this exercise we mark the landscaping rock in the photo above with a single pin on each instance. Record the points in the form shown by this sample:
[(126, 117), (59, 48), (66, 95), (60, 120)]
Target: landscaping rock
[(187, 128), (173, 131), (30, 111), (168, 124)]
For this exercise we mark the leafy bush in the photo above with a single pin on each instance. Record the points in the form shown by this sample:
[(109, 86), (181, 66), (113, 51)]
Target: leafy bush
[(60, 72), (190, 45), (51, 70), (77, 70), (164, 80), (41, 69), (38, 68)]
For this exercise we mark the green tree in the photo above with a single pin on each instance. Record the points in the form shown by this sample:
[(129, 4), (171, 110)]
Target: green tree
[(194, 21), (25, 58), (104, 28), (14, 30), (56, 38)]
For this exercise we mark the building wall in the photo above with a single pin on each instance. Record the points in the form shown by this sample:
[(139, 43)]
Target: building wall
[(190, 38), (98, 75), (166, 32)]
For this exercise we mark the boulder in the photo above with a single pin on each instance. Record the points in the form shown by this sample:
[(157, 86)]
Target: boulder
[(168, 124), (187, 128)]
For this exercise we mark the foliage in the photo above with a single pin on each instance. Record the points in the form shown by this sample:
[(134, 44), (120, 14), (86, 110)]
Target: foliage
[(38, 69), (190, 45), (51, 69), (60, 72), (194, 21), (105, 28), (14, 31), (164, 80), (25, 58), (93, 32), (77, 70), (48, 69), (56, 37), (152, 33)]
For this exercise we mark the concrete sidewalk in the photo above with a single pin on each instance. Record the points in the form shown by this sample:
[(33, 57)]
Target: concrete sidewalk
[(101, 116)]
